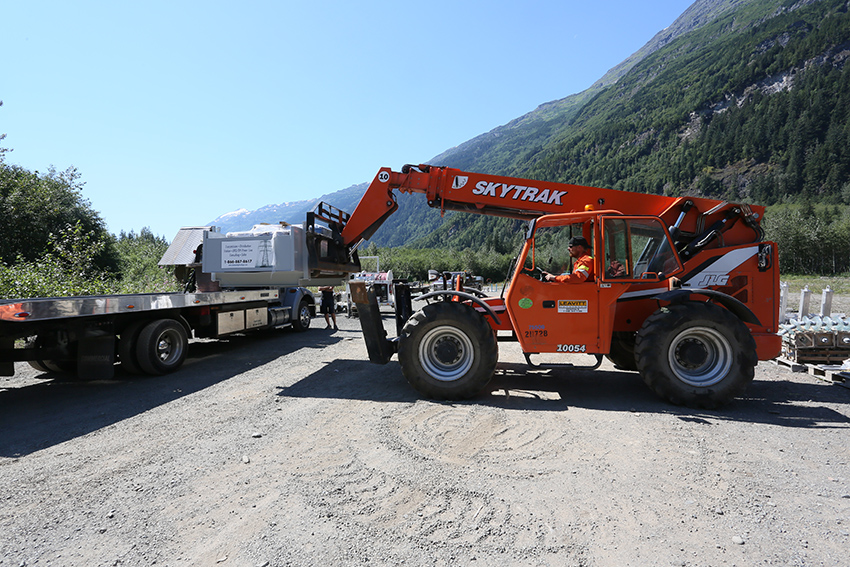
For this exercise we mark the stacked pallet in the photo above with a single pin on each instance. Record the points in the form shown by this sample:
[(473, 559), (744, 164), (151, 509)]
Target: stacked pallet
[(815, 339)]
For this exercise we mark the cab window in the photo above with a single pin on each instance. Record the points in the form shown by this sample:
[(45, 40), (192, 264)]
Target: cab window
[(551, 248), (636, 248)]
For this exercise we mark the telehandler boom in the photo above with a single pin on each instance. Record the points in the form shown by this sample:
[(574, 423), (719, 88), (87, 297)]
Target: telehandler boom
[(692, 305)]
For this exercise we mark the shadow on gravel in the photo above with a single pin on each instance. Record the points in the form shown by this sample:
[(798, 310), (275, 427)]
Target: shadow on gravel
[(354, 380), (518, 387), (58, 409)]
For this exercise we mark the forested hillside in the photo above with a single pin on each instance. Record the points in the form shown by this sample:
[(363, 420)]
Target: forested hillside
[(755, 105)]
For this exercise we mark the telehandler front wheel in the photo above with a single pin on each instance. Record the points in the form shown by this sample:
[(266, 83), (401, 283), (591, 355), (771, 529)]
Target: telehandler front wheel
[(695, 354), (448, 351)]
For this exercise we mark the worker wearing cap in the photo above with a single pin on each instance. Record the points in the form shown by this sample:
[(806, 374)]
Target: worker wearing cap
[(583, 267)]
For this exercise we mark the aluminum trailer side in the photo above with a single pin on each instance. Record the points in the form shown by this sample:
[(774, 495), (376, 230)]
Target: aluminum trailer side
[(147, 333)]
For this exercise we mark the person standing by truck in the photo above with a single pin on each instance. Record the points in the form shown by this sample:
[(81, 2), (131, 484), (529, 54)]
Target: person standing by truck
[(328, 307)]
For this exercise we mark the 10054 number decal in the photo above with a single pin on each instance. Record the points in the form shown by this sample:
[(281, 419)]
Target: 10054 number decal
[(572, 348)]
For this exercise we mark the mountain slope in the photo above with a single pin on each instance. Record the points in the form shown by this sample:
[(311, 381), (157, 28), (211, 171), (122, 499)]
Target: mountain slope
[(293, 212), (752, 106), (759, 92), (510, 145)]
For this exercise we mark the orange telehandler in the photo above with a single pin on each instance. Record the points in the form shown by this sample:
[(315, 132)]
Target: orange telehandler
[(691, 305)]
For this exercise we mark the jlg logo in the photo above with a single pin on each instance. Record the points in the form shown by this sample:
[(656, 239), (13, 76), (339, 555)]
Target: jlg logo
[(707, 281), (519, 192)]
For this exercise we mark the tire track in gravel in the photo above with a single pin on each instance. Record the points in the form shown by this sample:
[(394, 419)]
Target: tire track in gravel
[(412, 481)]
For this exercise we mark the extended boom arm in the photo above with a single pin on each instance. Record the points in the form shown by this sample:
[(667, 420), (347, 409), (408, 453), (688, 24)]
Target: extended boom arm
[(455, 190)]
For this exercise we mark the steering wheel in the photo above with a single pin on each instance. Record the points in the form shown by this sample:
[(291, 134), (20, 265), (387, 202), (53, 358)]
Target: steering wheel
[(536, 273)]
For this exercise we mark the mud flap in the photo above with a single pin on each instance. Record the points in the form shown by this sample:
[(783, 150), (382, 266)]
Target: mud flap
[(96, 355), (379, 347), (403, 305), (7, 367)]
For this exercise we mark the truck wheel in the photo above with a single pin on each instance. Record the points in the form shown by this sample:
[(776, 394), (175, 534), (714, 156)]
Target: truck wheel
[(301, 321), (127, 347), (37, 364), (622, 353), (58, 366), (695, 354), (448, 351), (161, 347)]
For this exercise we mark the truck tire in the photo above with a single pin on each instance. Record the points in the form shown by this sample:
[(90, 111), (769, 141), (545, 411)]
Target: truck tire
[(161, 347), (622, 353), (302, 318), (695, 354), (58, 366), (127, 341), (448, 351), (38, 365)]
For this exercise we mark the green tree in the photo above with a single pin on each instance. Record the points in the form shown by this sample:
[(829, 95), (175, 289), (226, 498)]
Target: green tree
[(67, 268), (138, 258), (34, 206)]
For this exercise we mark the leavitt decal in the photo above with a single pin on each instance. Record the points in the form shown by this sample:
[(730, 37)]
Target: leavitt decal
[(572, 306)]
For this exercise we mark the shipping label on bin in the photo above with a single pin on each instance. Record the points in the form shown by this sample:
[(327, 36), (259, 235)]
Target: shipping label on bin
[(247, 254)]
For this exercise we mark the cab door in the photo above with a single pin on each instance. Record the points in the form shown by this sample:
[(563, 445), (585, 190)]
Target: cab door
[(579, 317)]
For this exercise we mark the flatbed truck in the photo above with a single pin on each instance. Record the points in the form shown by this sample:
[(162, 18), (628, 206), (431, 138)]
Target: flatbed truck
[(234, 283)]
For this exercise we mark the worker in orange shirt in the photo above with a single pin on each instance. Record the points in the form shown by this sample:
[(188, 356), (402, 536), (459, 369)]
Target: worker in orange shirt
[(583, 267)]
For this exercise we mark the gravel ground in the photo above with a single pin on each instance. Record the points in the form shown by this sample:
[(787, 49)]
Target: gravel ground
[(292, 449)]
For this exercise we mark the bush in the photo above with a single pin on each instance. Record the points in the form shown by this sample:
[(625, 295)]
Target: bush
[(67, 269)]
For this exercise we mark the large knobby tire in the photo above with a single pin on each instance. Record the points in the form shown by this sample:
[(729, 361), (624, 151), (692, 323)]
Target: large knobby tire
[(448, 351), (161, 347), (695, 354), (622, 353), (302, 317)]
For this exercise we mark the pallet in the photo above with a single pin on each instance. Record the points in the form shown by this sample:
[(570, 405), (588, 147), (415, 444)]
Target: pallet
[(823, 356), (833, 374)]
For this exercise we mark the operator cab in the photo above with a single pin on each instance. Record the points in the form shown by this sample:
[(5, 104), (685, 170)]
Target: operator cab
[(578, 317)]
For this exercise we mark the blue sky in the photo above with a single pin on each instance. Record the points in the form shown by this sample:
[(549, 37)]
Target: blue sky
[(176, 112)]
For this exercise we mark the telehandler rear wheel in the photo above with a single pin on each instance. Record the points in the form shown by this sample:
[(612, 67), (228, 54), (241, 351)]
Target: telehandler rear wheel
[(695, 354), (448, 351)]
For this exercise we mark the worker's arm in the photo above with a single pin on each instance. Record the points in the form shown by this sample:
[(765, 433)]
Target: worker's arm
[(579, 276), (582, 271)]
